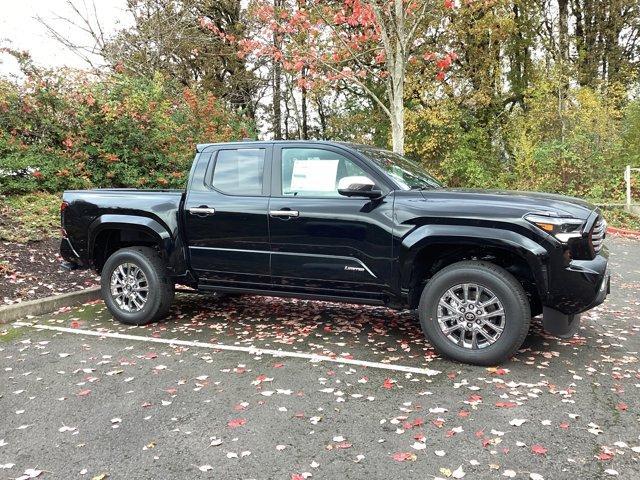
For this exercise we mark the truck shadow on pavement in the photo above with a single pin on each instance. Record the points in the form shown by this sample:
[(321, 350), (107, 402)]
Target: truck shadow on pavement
[(353, 331)]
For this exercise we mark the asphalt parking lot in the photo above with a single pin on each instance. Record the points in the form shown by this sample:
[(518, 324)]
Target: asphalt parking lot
[(358, 394)]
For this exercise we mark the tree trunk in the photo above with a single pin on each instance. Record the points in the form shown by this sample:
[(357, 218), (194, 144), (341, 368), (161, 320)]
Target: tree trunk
[(397, 114), (277, 81), (305, 126), (396, 86)]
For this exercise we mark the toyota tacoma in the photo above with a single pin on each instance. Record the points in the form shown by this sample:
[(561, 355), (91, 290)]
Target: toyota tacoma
[(346, 223)]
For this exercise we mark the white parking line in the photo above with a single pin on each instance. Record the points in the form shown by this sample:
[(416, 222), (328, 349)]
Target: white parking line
[(233, 348)]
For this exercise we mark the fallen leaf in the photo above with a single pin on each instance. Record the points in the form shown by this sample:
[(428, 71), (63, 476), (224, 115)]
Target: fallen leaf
[(538, 449), (236, 422), (404, 457), (458, 472)]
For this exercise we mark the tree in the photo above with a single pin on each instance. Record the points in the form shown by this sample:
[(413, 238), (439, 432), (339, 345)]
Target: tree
[(165, 36), (350, 41)]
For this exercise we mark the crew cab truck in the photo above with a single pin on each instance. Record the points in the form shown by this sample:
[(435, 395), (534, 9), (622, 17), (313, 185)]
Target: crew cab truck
[(346, 223)]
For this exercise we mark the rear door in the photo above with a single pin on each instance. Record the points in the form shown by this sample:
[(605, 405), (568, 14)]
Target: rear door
[(226, 217), (323, 242)]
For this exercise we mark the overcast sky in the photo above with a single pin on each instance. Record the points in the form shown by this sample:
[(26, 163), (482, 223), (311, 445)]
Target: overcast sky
[(20, 30)]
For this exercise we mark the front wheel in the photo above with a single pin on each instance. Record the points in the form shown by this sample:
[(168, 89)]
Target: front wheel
[(475, 312), (135, 286)]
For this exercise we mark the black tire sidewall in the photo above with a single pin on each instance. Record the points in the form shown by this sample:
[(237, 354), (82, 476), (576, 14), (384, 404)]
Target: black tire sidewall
[(154, 299), (514, 302)]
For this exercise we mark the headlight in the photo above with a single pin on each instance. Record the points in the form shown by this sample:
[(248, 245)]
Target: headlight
[(562, 228)]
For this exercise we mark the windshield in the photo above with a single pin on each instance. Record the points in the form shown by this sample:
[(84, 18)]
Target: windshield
[(407, 174)]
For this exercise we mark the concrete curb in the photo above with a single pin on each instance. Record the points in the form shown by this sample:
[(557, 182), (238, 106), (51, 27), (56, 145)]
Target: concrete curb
[(41, 306), (623, 232)]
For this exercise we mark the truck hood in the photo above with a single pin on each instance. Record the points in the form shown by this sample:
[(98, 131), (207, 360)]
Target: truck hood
[(504, 202)]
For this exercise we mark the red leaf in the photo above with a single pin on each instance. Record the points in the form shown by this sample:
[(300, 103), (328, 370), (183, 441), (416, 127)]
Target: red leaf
[(464, 413), (538, 449), (83, 393), (564, 426), (75, 324), (297, 476), (236, 422), (388, 383), (605, 456), (621, 407), (343, 445), (278, 365), (404, 456), (506, 404)]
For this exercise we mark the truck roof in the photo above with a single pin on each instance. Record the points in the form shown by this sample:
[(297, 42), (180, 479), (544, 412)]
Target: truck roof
[(201, 146)]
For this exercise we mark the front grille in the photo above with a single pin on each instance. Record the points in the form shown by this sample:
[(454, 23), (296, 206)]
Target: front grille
[(598, 234)]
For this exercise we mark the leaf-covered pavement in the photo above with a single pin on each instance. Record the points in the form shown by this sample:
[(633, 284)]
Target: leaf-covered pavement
[(79, 406)]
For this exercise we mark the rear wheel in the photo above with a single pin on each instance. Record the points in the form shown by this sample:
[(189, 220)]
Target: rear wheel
[(135, 286), (475, 312)]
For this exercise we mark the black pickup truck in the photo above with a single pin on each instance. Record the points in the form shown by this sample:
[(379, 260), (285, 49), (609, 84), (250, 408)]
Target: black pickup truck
[(346, 223)]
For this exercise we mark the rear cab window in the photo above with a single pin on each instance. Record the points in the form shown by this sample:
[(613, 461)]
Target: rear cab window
[(238, 171)]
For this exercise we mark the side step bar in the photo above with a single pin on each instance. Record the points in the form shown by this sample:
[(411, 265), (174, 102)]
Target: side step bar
[(305, 296)]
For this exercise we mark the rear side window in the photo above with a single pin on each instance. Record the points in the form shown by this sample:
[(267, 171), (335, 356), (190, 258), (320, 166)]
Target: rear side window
[(239, 172)]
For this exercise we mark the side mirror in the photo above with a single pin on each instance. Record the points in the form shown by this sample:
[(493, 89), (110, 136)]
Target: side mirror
[(358, 186)]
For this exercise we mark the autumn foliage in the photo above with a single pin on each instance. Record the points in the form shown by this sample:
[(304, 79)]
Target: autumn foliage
[(62, 130)]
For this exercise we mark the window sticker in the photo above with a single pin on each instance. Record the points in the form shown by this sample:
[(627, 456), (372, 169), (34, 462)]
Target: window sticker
[(314, 175)]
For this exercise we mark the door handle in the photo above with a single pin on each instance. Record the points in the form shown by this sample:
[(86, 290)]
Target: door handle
[(203, 210), (284, 213)]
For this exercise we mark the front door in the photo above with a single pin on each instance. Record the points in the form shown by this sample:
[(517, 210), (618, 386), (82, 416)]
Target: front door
[(323, 242), (226, 218)]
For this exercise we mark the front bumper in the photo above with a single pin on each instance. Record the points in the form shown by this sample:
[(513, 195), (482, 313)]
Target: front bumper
[(575, 288)]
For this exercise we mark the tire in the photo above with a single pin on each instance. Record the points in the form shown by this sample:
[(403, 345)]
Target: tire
[(159, 287), (493, 281)]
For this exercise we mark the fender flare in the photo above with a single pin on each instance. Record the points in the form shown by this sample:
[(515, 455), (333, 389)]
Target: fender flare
[(130, 222), (422, 237)]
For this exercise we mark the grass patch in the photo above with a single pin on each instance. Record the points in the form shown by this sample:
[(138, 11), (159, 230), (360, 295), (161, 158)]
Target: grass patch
[(9, 333), (34, 216), (618, 217)]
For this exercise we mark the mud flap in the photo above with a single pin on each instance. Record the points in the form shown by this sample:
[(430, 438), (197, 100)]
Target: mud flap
[(558, 324)]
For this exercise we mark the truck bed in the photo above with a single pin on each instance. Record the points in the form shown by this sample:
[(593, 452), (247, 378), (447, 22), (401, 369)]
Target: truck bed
[(86, 212)]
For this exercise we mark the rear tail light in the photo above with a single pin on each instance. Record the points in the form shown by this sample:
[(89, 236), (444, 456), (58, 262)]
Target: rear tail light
[(63, 207)]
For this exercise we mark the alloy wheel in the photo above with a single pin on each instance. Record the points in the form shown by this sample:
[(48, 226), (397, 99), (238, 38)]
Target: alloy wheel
[(129, 287), (471, 316)]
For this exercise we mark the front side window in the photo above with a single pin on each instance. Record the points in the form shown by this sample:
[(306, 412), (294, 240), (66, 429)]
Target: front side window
[(239, 172), (313, 172)]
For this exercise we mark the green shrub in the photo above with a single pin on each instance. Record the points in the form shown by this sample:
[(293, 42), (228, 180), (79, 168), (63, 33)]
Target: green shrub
[(64, 131)]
